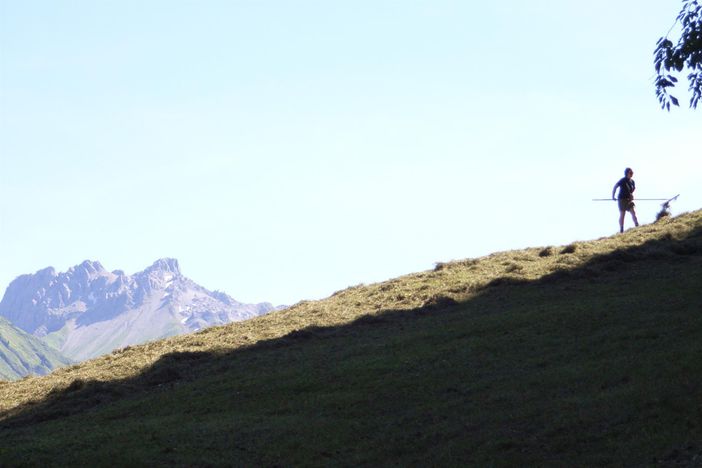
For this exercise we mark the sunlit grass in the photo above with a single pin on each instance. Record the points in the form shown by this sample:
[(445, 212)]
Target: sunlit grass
[(482, 351), (458, 280)]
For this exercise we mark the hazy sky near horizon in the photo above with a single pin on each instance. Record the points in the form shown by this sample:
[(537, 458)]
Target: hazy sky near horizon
[(283, 150)]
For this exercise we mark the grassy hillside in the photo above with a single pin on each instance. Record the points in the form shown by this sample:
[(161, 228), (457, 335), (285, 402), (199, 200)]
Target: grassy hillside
[(22, 354), (581, 355)]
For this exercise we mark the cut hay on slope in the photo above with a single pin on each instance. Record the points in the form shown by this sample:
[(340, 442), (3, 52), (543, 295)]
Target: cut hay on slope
[(448, 283)]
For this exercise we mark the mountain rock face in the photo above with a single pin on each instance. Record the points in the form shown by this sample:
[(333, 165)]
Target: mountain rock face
[(88, 311), (23, 354)]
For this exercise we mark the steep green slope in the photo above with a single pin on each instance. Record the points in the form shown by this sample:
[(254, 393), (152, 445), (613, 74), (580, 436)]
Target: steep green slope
[(583, 355), (22, 354)]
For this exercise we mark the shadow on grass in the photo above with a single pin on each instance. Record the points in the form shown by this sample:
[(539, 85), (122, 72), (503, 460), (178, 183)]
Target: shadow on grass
[(173, 369)]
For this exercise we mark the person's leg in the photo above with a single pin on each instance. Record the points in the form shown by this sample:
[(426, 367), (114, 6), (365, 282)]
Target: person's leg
[(633, 216), (622, 205), (621, 220)]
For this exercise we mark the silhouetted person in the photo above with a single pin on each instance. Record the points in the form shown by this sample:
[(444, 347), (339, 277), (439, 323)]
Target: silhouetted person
[(625, 199)]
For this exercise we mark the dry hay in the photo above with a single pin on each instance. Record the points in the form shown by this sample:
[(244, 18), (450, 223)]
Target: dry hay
[(663, 213), (447, 284)]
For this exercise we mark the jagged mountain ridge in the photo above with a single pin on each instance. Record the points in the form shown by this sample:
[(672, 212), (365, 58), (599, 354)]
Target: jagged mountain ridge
[(88, 311)]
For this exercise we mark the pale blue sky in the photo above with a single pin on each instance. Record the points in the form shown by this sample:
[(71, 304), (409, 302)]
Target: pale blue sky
[(283, 150)]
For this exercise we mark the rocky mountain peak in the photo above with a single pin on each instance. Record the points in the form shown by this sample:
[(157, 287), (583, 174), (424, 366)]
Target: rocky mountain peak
[(48, 272), (87, 271), (165, 265), (87, 310)]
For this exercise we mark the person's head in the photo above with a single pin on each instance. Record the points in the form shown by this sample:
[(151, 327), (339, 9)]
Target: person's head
[(628, 172)]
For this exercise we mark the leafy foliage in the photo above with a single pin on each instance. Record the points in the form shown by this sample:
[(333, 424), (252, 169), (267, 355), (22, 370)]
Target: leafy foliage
[(687, 53)]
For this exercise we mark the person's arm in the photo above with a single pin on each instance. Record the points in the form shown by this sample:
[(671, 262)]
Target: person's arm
[(615, 189)]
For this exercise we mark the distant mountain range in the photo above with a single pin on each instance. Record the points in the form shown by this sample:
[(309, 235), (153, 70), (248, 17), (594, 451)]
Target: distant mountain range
[(89, 311), (22, 354)]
